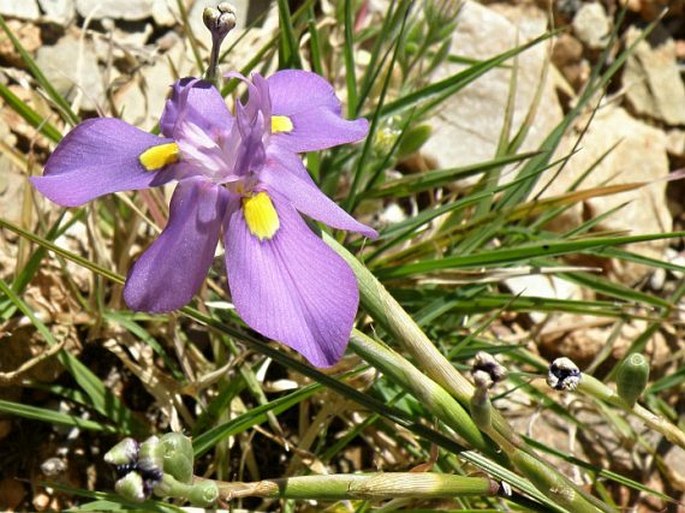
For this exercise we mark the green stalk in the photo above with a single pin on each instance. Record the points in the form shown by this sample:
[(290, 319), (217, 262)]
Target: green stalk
[(594, 388), (425, 390), (553, 484), (424, 485), (387, 311)]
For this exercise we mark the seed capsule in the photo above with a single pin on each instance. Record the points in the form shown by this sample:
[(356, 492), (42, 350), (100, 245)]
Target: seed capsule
[(480, 406), (177, 452), (632, 378)]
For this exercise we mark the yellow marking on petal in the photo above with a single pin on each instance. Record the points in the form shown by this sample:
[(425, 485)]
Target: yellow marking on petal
[(281, 124), (159, 156), (261, 216)]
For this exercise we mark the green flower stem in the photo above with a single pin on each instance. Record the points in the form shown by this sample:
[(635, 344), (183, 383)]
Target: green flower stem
[(594, 388), (553, 484), (424, 485), (428, 392), (387, 312)]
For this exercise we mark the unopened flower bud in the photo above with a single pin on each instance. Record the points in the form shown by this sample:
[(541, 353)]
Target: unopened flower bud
[(485, 362), (563, 374), (220, 20), (203, 493), (632, 378), (123, 453), (178, 455), (131, 487)]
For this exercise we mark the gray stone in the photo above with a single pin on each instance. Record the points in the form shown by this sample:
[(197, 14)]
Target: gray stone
[(59, 11), (24, 9), (639, 156), (165, 12), (591, 25), (142, 98), (71, 66), (116, 9), (651, 78), (676, 142), (467, 125)]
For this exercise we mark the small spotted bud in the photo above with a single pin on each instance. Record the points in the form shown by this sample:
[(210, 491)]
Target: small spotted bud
[(178, 455), (131, 487), (485, 362), (563, 374), (203, 494), (632, 378), (123, 453)]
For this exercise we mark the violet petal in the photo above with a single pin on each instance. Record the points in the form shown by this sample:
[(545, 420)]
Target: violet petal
[(292, 288), (285, 174), (314, 109), (198, 102), (98, 157), (173, 268)]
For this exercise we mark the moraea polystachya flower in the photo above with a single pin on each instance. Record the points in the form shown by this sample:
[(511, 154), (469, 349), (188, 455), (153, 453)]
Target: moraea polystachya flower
[(240, 176)]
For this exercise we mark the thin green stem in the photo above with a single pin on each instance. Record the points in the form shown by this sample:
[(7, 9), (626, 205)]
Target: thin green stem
[(424, 485)]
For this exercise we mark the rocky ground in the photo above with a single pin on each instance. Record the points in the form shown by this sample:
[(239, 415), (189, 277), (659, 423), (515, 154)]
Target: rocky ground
[(119, 56)]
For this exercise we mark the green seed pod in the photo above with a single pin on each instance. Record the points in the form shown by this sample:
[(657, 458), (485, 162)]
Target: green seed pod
[(150, 460), (632, 378), (178, 455), (203, 494), (131, 487), (123, 453)]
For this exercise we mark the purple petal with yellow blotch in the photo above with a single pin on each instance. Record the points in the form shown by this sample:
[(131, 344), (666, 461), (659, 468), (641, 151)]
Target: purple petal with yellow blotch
[(98, 157), (314, 110), (285, 174), (292, 288)]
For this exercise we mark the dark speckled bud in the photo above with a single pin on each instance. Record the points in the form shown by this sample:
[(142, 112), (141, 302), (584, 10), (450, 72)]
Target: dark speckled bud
[(563, 374)]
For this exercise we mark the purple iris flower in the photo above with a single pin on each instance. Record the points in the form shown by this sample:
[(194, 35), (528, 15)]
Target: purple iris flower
[(240, 176)]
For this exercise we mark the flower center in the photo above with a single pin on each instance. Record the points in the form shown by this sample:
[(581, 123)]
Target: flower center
[(261, 216)]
